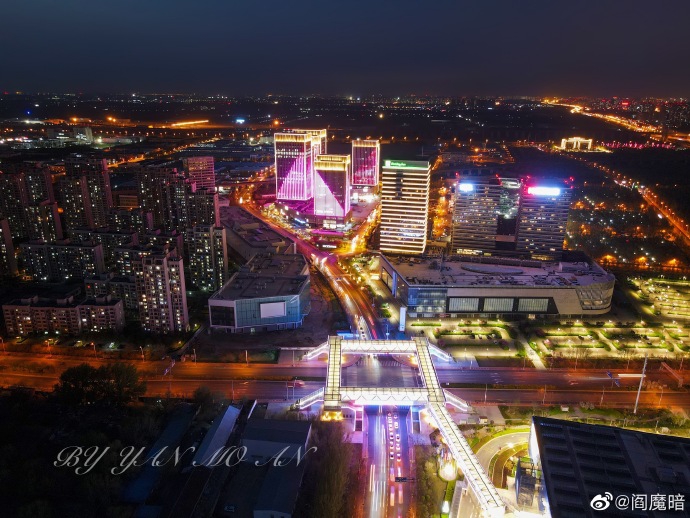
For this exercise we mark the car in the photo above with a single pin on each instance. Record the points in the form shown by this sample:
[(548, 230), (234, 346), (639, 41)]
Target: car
[(397, 448), (390, 436), (397, 437), (396, 425), (399, 458), (229, 508), (391, 456), (395, 416), (389, 414)]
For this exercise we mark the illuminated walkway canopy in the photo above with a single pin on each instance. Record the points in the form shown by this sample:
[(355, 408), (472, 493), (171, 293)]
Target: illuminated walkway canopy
[(430, 394)]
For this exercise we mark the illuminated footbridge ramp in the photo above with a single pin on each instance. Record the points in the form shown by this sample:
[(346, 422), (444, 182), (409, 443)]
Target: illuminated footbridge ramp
[(419, 351)]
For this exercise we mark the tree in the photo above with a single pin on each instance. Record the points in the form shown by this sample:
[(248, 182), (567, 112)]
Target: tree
[(203, 397), (328, 471), (121, 383), (115, 383), (78, 385)]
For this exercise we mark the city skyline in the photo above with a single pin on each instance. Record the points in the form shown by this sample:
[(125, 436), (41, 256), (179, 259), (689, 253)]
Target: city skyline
[(489, 48), (389, 235)]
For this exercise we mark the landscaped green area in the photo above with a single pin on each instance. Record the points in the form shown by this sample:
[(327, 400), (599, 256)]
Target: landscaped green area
[(431, 489), (477, 442), (426, 324)]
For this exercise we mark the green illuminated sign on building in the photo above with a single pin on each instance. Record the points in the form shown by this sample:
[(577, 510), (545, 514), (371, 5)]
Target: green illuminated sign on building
[(404, 165)]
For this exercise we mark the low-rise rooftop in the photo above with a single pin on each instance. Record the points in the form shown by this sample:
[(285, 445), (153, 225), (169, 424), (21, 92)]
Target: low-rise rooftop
[(252, 230), (244, 285), (580, 461), (277, 264), (487, 272), (277, 430), (267, 275)]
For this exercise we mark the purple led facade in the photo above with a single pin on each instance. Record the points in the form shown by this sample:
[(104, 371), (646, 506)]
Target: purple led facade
[(294, 169), (365, 162), (331, 192)]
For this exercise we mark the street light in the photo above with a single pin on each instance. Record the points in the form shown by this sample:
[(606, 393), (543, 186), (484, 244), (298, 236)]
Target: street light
[(142, 352)]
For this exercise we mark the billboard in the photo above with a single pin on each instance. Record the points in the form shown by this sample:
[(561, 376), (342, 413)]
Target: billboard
[(273, 309)]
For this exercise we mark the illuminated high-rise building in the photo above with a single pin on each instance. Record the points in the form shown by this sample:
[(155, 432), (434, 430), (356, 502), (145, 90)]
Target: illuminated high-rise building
[(484, 215), (200, 170), (208, 256), (157, 192), (110, 239), (332, 185), (200, 208), (84, 201), (365, 162), (171, 239), (73, 198), (78, 165), (85, 194), (475, 215), (39, 185), (161, 292), (319, 140), (404, 206), (542, 219), (43, 221), (294, 166), (137, 220), (8, 262), (62, 261), (13, 199)]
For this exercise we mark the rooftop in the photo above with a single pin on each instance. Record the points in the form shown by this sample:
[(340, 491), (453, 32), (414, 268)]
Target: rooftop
[(245, 285), (280, 488), (581, 460), (488, 272), (252, 230), (276, 430), (216, 437), (67, 302), (267, 264), (267, 275)]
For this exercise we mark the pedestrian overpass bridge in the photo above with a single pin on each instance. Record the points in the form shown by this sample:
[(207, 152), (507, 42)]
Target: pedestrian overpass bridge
[(431, 395)]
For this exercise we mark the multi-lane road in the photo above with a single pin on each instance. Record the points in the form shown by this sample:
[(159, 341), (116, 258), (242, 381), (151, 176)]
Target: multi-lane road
[(389, 456), (276, 390), (51, 367), (48, 369), (603, 396)]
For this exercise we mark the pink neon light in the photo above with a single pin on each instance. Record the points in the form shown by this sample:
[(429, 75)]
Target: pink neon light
[(293, 163), (365, 165), (331, 193)]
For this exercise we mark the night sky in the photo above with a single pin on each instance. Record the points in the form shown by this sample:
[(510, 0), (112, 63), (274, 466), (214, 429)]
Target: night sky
[(392, 47)]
